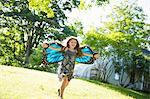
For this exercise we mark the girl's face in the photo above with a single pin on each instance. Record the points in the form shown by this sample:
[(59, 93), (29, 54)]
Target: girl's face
[(72, 43)]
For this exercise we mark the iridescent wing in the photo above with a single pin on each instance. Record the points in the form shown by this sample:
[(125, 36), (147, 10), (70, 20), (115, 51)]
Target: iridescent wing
[(53, 56), (86, 59)]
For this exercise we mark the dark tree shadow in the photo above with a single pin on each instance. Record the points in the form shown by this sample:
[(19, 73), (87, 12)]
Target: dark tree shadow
[(124, 91)]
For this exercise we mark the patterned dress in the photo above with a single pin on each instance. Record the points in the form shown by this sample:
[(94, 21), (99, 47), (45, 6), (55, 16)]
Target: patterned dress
[(67, 65)]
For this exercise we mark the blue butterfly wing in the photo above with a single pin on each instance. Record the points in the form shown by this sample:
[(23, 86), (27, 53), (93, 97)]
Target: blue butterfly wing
[(86, 59), (53, 56)]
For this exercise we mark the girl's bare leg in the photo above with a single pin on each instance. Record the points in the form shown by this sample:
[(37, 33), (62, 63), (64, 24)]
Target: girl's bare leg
[(63, 86), (67, 83)]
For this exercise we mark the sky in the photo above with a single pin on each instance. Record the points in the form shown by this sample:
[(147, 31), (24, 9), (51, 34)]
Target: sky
[(91, 17), (145, 4)]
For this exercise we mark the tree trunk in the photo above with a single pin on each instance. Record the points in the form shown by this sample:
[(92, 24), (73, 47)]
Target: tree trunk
[(28, 49), (30, 43), (121, 77)]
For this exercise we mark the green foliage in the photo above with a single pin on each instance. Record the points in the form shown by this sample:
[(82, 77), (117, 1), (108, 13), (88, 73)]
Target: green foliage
[(36, 56), (123, 38), (41, 5), (28, 22), (140, 65), (96, 40), (128, 18), (87, 4), (82, 4), (36, 59), (11, 49), (101, 2)]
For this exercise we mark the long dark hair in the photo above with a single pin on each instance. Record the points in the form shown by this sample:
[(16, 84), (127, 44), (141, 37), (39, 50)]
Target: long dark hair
[(77, 46), (79, 53)]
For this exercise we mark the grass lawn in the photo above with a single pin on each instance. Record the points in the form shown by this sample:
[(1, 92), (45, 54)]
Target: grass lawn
[(21, 83)]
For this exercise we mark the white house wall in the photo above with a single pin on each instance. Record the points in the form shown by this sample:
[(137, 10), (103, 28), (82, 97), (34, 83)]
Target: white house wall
[(84, 70)]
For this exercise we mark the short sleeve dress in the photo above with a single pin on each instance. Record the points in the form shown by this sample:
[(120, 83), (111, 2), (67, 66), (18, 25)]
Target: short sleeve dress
[(67, 65)]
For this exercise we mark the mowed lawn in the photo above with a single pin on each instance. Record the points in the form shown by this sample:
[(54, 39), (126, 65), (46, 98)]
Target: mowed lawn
[(21, 83)]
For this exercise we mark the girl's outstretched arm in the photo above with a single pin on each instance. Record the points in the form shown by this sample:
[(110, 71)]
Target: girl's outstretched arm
[(84, 54), (91, 55), (57, 49), (46, 45)]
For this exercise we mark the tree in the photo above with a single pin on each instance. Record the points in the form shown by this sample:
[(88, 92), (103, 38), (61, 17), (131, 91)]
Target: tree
[(11, 49), (127, 34), (87, 4), (33, 25)]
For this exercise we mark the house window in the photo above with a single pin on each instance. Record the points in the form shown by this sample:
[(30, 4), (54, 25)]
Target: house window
[(116, 76)]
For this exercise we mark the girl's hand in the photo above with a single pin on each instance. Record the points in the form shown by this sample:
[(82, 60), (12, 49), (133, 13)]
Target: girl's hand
[(66, 48), (96, 56), (44, 45)]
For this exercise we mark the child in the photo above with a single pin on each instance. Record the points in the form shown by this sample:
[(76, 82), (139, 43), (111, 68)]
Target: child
[(71, 53)]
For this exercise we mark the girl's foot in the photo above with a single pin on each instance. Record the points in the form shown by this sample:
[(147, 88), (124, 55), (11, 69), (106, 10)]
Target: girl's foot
[(60, 97), (58, 92)]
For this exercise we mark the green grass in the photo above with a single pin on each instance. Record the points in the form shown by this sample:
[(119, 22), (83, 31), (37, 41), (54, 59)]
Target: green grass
[(21, 83)]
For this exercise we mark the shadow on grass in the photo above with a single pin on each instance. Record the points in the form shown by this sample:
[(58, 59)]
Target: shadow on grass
[(124, 91)]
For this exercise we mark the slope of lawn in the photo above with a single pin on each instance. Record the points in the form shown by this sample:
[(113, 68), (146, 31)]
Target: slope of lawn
[(21, 83)]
